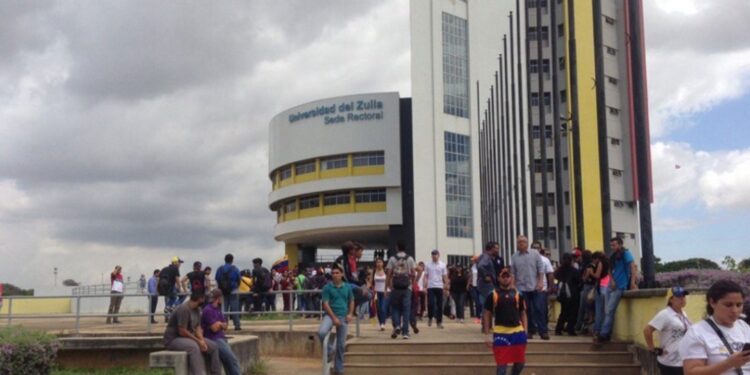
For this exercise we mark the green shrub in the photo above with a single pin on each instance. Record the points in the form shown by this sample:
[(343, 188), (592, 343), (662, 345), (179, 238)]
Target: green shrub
[(24, 351)]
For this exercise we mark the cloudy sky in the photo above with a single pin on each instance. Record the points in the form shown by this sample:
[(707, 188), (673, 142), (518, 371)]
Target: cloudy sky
[(134, 131)]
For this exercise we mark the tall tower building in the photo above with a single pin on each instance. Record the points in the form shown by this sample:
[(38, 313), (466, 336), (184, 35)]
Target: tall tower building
[(586, 127)]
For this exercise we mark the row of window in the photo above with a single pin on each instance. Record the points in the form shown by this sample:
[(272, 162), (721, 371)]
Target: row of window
[(336, 198), (536, 132), (455, 66), (458, 185), (334, 162)]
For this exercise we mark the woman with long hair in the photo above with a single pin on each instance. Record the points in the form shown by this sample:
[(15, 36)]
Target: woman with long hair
[(586, 304), (458, 289), (379, 286), (117, 287), (568, 295), (601, 275), (718, 345), (672, 323)]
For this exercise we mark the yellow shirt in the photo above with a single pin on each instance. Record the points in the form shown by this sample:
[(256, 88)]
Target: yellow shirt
[(246, 284)]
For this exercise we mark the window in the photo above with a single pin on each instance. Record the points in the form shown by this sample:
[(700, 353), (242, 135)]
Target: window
[(534, 99), (309, 202), (617, 172), (545, 66), (531, 3), (611, 51), (545, 33), (290, 206), (531, 34), (368, 196), (304, 167), (285, 173), (458, 185), (614, 111), (548, 131), (535, 132), (533, 66), (609, 20), (334, 162), (561, 30), (368, 158), (612, 80), (567, 231), (455, 66), (619, 204), (561, 63), (538, 167), (550, 167), (547, 101), (566, 197), (563, 96), (565, 163), (538, 200), (614, 141), (332, 199), (543, 3)]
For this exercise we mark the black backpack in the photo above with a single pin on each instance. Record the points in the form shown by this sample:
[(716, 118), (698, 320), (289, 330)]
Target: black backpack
[(401, 278), (225, 281), (164, 286), (267, 280)]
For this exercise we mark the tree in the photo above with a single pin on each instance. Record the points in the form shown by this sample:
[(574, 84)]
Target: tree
[(744, 265), (70, 282), (692, 263), (729, 263)]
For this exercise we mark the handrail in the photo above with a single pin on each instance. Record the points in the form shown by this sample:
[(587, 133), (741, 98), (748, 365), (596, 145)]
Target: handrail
[(324, 349)]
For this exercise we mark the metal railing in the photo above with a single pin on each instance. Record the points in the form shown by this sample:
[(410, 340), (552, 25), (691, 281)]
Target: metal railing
[(77, 314)]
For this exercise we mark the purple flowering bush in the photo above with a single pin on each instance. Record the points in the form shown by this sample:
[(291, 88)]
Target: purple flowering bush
[(704, 279), (24, 351)]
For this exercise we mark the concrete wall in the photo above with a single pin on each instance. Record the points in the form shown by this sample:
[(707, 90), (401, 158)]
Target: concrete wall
[(38, 306)]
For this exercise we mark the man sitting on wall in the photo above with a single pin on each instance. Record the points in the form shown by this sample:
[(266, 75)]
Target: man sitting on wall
[(184, 333)]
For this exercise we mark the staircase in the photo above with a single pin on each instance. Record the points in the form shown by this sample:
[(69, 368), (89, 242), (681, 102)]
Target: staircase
[(556, 357)]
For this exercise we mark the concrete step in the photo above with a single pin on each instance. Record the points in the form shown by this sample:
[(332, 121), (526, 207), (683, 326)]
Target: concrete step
[(477, 369), (413, 346), (485, 357)]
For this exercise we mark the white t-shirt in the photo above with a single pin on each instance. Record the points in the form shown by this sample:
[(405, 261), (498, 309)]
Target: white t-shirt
[(547, 270), (379, 282), (672, 326), (702, 342), (474, 275), (435, 273)]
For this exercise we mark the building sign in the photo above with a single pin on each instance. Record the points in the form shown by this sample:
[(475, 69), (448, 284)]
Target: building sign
[(348, 111)]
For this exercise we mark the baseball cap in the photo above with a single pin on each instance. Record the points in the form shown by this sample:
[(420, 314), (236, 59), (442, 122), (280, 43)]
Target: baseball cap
[(177, 260), (435, 252), (577, 253), (677, 291)]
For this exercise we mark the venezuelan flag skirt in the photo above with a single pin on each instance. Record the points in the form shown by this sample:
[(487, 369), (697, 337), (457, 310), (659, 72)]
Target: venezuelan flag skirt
[(509, 345)]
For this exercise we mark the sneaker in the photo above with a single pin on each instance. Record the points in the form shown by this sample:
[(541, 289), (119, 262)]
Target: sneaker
[(382, 327), (394, 334), (440, 325), (405, 337), (429, 322), (460, 321), (414, 328), (544, 336)]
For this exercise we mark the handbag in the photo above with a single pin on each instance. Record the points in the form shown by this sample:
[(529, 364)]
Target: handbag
[(118, 286)]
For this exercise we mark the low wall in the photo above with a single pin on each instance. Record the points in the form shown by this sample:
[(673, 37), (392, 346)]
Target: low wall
[(288, 344), (38, 306)]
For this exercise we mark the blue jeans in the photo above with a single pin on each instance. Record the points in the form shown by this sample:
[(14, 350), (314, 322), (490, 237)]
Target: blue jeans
[(536, 310), (610, 309), (228, 359), (382, 308), (435, 304), (301, 302), (583, 306), (476, 296), (401, 309), (232, 306), (326, 326), (599, 308)]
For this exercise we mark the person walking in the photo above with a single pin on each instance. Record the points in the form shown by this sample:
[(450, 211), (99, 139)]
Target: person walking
[(338, 304), (400, 276), (529, 273), (184, 333), (437, 287), (214, 326), (624, 272), (153, 294), (718, 345), (262, 283), (349, 260), (672, 323), (568, 294), (380, 290), (475, 306), (228, 280), (507, 336), (117, 288), (422, 289), (169, 279), (459, 285), (142, 284), (486, 273)]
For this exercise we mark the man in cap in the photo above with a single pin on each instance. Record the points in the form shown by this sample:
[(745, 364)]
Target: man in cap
[(437, 286), (169, 280), (214, 326)]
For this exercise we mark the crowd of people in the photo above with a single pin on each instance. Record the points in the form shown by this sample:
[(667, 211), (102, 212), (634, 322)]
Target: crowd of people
[(509, 301)]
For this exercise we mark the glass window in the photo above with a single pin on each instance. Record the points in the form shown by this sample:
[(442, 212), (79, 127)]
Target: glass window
[(368, 158), (334, 162), (533, 66), (545, 65), (455, 66), (309, 202), (531, 34), (368, 196), (290, 206), (611, 51), (332, 199), (535, 132), (285, 173), (534, 99), (561, 62), (305, 167), (458, 185), (563, 96)]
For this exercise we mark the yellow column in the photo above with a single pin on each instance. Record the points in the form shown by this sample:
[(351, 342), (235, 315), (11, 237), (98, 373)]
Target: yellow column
[(292, 253)]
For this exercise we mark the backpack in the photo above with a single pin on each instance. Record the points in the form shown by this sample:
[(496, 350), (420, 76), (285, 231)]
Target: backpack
[(496, 298), (225, 280), (401, 278), (164, 286), (267, 280)]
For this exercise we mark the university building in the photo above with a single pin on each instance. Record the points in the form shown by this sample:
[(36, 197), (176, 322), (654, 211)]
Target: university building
[(513, 105)]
